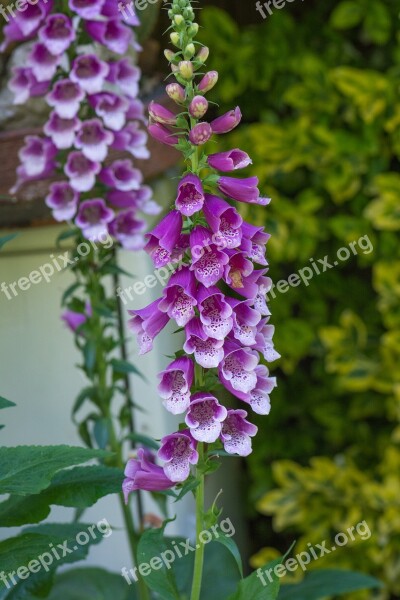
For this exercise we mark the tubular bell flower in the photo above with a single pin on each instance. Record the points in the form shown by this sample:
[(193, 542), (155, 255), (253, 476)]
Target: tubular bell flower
[(175, 384), (190, 195), (243, 190), (93, 140), (89, 72), (110, 33), (224, 221), (163, 135), (36, 155), (24, 85), (128, 230), (178, 450), (66, 97), (57, 34), (205, 417), (229, 161), (61, 131), (81, 171), (207, 351), (93, 217), (160, 114), (237, 433), (147, 324), (179, 297), (63, 200), (164, 238), (142, 474), (43, 63), (227, 122), (207, 260)]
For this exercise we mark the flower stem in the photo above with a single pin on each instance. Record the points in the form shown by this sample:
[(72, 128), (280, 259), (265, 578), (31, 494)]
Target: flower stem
[(199, 556)]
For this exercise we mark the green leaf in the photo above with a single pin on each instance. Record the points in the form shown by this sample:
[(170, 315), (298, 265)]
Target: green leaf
[(91, 584), (162, 581), (87, 393), (124, 367), (34, 542), (30, 469), (101, 432), (6, 403), (80, 487), (347, 14), (230, 543), (69, 291), (7, 238), (252, 587), (65, 235), (328, 582), (144, 440)]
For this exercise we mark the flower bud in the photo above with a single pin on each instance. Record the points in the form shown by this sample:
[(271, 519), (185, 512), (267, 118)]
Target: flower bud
[(227, 122), (198, 107), (174, 68), (186, 69), (193, 30), (208, 82), (203, 54), (189, 51), (169, 55), (176, 92), (175, 38), (163, 135), (178, 20), (200, 134), (160, 114)]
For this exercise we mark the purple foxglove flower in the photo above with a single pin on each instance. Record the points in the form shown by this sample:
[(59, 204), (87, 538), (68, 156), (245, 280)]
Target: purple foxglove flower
[(263, 286), (238, 268), (93, 140), (208, 261), (57, 34), (128, 230), (81, 171), (254, 242), (147, 324), (205, 417), (160, 114), (89, 72), (122, 176), (190, 195), (175, 384), (24, 85), (111, 33), (178, 450), (31, 17), (114, 9), (43, 63), (198, 107), (74, 320), (125, 76), (243, 190), (86, 9), (237, 433), (143, 474), (66, 97), (63, 200), (208, 352), (176, 92), (61, 131), (36, 155), (163, 135), (111, 108), (163, 238), (264, 342), (93, 217), (200, 133), (134, 199), (215, 312), (208, 82), (229, 161), (224, 221), (227, 122), (23, 177), (145, 202), (259, 397), (179, 297), (132, 139), (12, 33), (245, 321), (237, 369)]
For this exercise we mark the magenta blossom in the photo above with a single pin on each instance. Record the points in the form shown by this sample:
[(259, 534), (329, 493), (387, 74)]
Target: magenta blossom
[(224, 221), (87, 9), (111, 33), (121, 175), (128, 230), (227, 122), (63, 200), (237, 433), (93, 217), (163, 239), (179, 297), (229, 161), (144, 474), (208, 352), (208, 261), (190, 195), (111, 108), (126, 76), (215, 312), (200, 134), (160, 114), (132, 139), (93, 140), (147, 324), (61, 131), (24, 85), (57, 34), (66, 97), (74, 320), (243, 190), (175, 384), (43, 63), (163, 135), (205, 417), (89, 72), (81, 171), (178, 450), (36, 155)]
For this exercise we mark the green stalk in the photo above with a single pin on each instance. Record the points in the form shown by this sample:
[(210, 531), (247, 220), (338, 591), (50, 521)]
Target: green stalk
[(199, 556)]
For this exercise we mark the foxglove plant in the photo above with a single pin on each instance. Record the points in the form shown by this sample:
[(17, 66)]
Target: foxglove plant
[(217, 297)]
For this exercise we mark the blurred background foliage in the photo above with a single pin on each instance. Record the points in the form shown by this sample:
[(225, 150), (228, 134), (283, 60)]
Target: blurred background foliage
[(319, 85)]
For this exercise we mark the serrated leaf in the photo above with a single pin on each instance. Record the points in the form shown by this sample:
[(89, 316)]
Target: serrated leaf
[(29, 469)]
